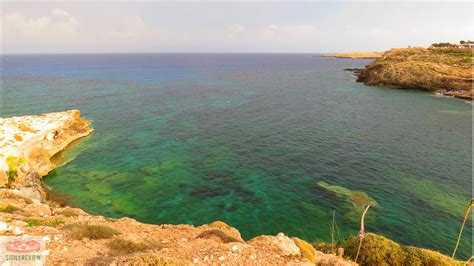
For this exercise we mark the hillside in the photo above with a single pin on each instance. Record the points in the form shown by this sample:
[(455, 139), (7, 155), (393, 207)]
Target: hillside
[(442, 71)]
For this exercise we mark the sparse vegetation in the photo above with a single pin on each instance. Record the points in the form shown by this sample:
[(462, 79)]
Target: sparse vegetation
[(8, 208), (378, 250), (307, 250), (455, 52), (323, 247), (150, 259), (219, 234), (44, 222), (13, 162), (67, 212), (124, 246), (441, 44), (91, 231)]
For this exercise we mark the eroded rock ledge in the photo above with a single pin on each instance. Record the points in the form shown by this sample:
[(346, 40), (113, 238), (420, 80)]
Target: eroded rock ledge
[(28, 143)]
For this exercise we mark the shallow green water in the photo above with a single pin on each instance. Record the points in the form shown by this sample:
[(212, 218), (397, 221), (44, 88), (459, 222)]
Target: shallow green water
[(249, 139)]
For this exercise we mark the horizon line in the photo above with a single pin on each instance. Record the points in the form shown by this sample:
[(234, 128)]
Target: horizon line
[(92, 53)]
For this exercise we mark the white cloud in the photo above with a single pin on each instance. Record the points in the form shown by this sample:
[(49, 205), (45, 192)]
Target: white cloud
[(18, 25), (60, 13), (60, 31)]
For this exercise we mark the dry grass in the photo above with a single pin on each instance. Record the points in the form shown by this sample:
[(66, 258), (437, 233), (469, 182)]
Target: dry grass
[(8, 208), (218, 234), (68, 213), (124, 247), (150, 259), (44, 222), (91, 231), (323, 247)]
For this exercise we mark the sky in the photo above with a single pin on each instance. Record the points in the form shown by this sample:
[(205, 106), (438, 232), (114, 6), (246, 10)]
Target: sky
[(231, 26)]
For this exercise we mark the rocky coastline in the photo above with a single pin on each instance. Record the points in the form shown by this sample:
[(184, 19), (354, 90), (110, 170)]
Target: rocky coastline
[(440, 71), (75, 237), (354, 55)]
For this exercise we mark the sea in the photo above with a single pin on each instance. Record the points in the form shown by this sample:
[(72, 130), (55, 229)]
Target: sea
[(266, 143)]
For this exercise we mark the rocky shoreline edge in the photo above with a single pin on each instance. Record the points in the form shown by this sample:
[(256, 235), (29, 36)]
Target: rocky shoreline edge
[(445, 72), (354, 55), (75, 237)]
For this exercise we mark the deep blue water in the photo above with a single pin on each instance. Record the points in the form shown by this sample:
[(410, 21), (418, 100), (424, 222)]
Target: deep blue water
[(264, 142)]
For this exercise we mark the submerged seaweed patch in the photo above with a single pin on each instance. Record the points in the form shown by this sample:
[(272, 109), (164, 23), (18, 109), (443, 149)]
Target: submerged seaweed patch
[(358, 199), (311, 209), (436, 196)]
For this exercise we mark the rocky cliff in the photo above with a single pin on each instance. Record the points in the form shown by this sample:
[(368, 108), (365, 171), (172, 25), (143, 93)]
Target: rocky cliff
[(443, 71)]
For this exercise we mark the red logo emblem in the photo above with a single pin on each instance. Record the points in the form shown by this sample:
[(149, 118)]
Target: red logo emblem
[(23, 246)]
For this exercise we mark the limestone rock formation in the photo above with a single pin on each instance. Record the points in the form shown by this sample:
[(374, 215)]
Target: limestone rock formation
[(447, 72), (27, 144)]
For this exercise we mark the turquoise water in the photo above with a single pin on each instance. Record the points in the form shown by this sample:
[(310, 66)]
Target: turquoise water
[(248, 139)]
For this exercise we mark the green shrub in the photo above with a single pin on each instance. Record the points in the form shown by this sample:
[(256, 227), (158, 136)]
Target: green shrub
[(44, 222), (307, 250), (323, 247), (455, 52), (378, 250), (13, 162), (124, 246), (8, 208), (91, 231)]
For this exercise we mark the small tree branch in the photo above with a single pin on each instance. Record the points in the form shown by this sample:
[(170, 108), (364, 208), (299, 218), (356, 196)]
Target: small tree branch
[(362, 231)]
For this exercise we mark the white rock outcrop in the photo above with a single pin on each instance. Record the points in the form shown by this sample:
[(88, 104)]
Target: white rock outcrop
[(27, 144)]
